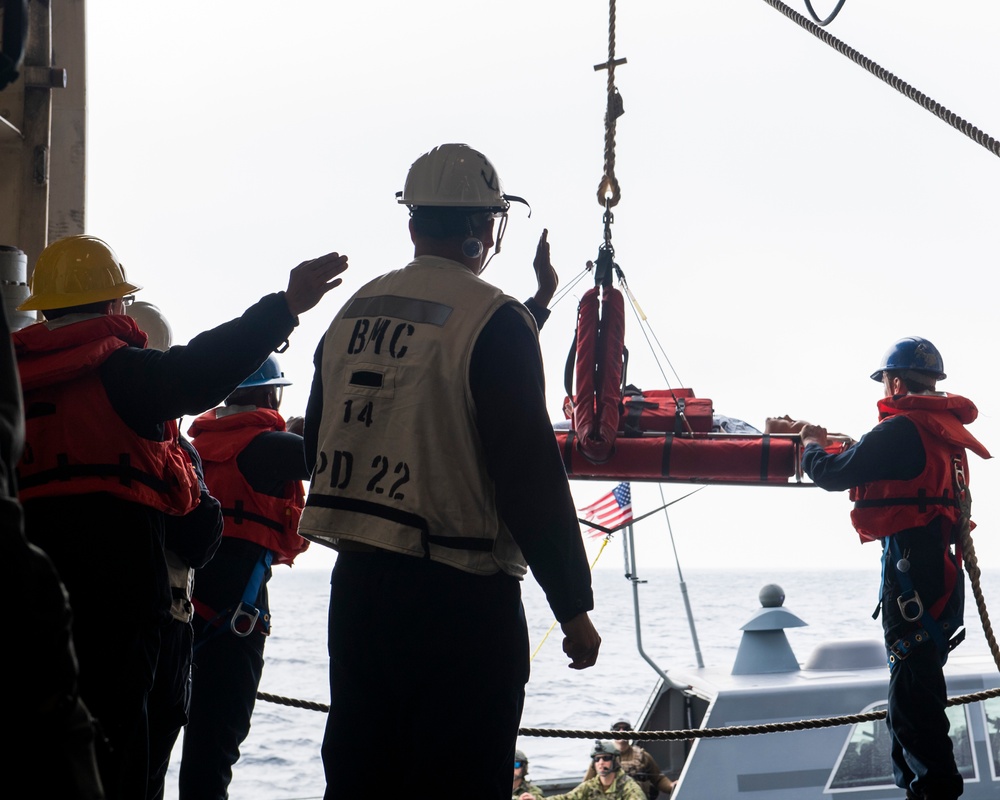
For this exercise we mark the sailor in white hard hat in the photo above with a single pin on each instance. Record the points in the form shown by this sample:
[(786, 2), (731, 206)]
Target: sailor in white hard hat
[(438, 481)]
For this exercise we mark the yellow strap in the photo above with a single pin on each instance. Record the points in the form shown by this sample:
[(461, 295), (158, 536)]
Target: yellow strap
[(592, 565)]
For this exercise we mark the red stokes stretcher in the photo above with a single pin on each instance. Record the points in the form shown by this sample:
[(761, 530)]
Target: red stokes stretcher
[(658, 436)]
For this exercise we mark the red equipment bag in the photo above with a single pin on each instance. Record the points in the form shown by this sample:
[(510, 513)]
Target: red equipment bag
[(665, 411)]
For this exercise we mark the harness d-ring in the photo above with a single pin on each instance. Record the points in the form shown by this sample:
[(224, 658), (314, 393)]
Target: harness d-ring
[(240, 614), (907, 600)]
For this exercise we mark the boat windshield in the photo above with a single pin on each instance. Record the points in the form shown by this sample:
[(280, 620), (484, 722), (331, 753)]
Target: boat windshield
[(865, 761)]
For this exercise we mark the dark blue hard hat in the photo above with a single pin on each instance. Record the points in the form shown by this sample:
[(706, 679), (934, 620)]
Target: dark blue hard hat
[(914, 354), (268, 374)]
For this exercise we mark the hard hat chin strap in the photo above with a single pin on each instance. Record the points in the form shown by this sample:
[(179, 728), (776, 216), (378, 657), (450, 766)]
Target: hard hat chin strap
[(501, 227)]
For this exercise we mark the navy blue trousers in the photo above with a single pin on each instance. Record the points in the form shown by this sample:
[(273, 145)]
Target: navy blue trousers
[(428, 666), (922, 753), (224, 681), (168, 701), (923, 761)]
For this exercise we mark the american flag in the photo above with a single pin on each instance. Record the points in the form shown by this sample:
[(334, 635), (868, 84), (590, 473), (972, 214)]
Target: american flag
[(611, 511)]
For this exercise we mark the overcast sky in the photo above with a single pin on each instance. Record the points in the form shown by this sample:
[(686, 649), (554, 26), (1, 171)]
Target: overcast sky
[(785, 215)]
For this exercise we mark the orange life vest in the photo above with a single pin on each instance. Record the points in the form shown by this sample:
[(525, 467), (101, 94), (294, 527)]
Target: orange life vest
[(75, 442), (271, 522), (883, 508)]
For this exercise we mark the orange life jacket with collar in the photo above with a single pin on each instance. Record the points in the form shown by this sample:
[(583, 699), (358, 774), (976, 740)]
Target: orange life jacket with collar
[(882, 508), (75, 442), (271, 522)]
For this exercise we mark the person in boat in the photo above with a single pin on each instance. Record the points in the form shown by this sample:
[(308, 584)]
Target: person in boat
[(102, 466), (438, 480), (523, 788), (54, 737), (908, 478), (255, 465), (609, 782), (639, 764)]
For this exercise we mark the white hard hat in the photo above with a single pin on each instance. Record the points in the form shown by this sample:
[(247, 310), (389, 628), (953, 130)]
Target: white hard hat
[(454, 176), (150, 319)]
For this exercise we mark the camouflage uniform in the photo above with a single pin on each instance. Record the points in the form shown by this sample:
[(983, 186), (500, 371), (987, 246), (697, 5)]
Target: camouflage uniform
[(642, 767), (624, 788), (530, 788)]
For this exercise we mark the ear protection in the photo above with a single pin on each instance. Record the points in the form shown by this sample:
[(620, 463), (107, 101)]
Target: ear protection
[(472, 248)]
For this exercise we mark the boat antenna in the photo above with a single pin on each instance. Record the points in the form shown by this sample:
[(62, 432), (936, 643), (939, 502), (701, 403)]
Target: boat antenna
[(683, 584)]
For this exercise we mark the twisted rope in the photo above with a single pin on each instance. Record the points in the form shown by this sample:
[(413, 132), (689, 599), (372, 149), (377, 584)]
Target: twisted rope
[(690, 733), (290, 701), (970, 130), (741, 730), (609, 192), (972, 567)]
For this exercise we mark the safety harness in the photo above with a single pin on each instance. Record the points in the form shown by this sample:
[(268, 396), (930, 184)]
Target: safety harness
[(947, 632), (245, 616)]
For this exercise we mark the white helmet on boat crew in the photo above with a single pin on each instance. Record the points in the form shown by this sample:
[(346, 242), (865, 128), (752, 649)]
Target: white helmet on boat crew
[(605, 749)]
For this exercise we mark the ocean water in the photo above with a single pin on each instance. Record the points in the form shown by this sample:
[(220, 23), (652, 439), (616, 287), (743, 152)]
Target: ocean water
[(280, 758)]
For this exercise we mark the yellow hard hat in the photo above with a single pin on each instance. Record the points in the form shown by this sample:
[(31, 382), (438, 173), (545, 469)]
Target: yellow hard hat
[(76, 271)]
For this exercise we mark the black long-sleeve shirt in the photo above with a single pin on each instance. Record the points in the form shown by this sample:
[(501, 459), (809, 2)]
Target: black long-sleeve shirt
[(147, 387), (892, 450)]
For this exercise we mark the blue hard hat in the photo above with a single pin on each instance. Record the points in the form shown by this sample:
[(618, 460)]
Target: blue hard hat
[(915, 354), (268, 374)]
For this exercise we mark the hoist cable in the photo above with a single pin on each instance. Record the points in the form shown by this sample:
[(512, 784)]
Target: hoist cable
[(918, 97), (830, 18), (609, 192)]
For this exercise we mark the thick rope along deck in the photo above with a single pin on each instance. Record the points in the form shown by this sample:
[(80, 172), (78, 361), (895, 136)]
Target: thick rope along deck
[(972, 567), (741, 730), (690, 733)]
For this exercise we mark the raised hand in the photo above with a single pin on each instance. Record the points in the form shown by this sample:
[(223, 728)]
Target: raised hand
[(310, 280), (545, 273)]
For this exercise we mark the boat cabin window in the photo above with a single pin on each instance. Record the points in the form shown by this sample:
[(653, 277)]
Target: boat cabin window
[(991, 708), (865, 760)]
